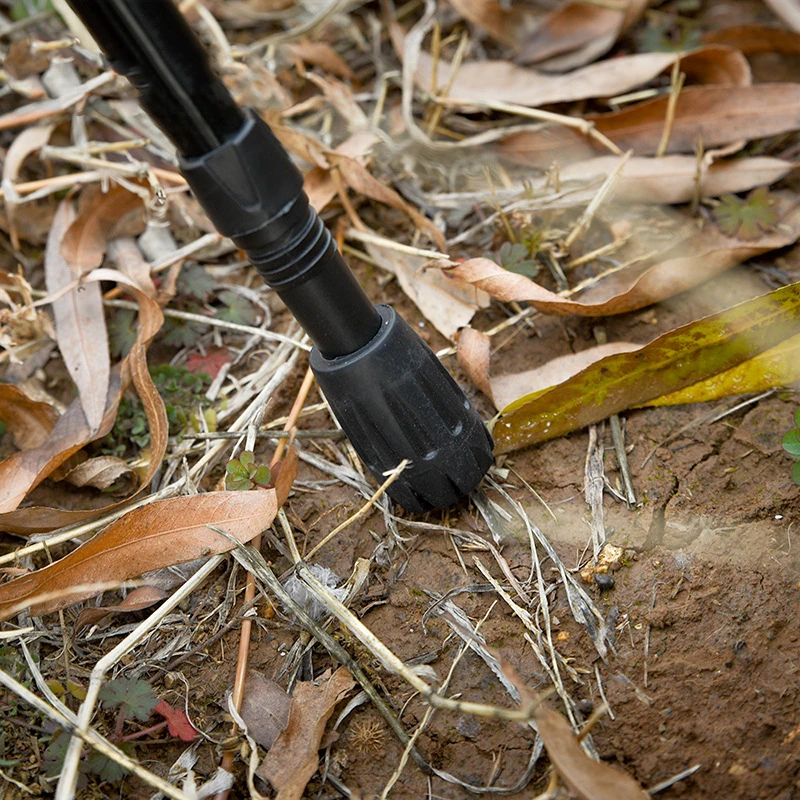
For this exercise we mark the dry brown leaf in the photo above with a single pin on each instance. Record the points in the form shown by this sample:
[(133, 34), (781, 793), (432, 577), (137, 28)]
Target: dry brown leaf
[(294, 757), (586, 778), (322, 55), (107, 473), (140, 598), (754, 40), (447, 305), (23, 471), (84, 244), (157, 535), (80, 322), (788, 11), (505, 23), (717, 115), (21, 61), (359, 179), (673, 179), (710, 253), (29, 422), (474, 355), (265, 708), (578, 33), (493, 81)]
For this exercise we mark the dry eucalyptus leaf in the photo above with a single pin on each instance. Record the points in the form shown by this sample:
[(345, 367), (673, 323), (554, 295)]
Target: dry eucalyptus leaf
[(157, 535), (80, 321), (265, 708), (104, 472), (29, 422)]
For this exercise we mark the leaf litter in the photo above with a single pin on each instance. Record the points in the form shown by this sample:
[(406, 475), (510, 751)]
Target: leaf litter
[(535, 193)]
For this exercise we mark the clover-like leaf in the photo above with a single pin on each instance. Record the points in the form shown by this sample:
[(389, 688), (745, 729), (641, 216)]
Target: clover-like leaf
[(236, 308), (136, 695), (747, 218), (261, 476), (516, 257), (237, 476)]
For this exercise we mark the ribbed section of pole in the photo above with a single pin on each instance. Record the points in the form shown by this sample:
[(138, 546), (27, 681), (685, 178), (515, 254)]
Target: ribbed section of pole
[(390, 393)]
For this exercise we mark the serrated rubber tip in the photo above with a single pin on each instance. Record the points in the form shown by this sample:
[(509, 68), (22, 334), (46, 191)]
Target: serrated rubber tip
[(395, 400)]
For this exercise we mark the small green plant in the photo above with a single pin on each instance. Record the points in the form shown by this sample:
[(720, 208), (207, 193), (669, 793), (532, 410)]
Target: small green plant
[(747, 218), (791, 444), (516, 257), (184, 396), (243, 473)]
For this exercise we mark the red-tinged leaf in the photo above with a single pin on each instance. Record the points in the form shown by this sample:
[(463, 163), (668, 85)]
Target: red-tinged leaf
[(80, 322), (84, 244), (29, 421), (294, 757), (178, 723), (676, 359), (158, 535), (214, 359), (699, 259)]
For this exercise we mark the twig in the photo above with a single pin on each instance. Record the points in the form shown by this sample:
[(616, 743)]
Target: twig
[(389, 244), (309, 434), (392, 477), (659, 787), (676, 84), (603, 192)]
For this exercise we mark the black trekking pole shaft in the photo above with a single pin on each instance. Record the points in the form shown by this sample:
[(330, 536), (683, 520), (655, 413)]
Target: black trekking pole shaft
[(391, 395)]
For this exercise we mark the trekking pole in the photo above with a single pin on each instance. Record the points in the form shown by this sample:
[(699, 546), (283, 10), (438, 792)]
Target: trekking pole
[(389, 392)]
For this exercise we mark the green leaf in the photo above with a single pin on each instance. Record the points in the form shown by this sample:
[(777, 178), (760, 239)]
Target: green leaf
[(674, 360), (237, 308), (195, 281), (237, 476), (791, 443), (247, 457), (749, 218), (516, 258), (261, 476), (121, 331), (105, 769), (797, 417), (181, 333), (796, 473), (136, 695)]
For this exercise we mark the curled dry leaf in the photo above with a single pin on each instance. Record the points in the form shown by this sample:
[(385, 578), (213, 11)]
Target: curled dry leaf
[(294, 757), (29, 422), (577, 33), (157, 535), (84, 243), (710, 253), (675, 360), (107, 473), (79, 320), (447, 304), (495, 81), (504, 22), (586, 778), (322, 55), (265, 708), (754, 40), (674, 179), (140, 598), (23, 471), (715, 115)]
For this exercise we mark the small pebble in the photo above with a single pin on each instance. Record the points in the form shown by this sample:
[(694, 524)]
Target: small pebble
[(604, 580)]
